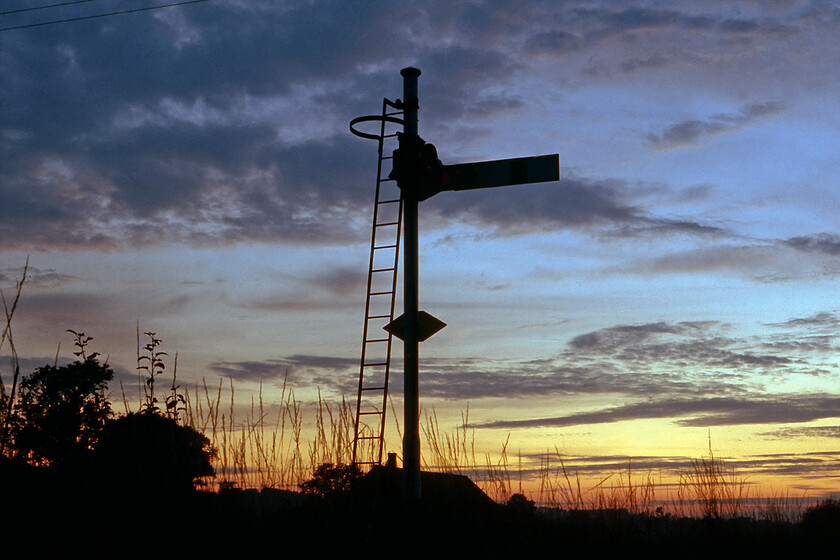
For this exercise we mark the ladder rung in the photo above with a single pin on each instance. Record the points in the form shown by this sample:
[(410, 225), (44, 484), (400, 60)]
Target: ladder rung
[(370, 413), (368, 437), (383, 224), (386, 180), (374, 364), (386, 246), (372, 389), (392, 201), (377, 340), (390, 135), (387, 157), (381, 293), (391, 269)]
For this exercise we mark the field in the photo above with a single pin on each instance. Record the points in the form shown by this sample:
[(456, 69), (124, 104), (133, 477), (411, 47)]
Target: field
[(283, 482), (253, 503)]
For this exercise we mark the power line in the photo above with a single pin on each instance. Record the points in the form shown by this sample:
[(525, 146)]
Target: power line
[(102, 15), (44, 7)]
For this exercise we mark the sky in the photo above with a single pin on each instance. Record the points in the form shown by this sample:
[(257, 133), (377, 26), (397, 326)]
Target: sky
[(190, 171)]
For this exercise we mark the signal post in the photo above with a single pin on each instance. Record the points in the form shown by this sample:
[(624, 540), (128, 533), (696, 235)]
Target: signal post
[(420, 175)]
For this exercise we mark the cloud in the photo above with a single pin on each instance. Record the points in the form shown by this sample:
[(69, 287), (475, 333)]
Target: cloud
[(329, 288), (689, 133), (64, 310), (623, 335), (824, 321), (299, 370), (35, 277), (633, 65), (769, 261), (660, 361), (240, 137), (826, 243), (553, 42), (650, 350), (232, 140), (803, 432), (701, 412), (688, 372), (341, 281), (573, 202), (807, 465)]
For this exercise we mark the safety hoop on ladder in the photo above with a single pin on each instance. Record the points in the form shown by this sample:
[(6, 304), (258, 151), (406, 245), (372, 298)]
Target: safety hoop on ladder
[(370, 118)]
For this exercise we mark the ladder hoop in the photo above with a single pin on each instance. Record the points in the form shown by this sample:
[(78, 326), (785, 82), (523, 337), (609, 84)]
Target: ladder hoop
[(370, 118)]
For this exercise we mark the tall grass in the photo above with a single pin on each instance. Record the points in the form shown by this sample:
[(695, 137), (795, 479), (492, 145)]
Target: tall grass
[(713, 488), (707, 487), (265, 449), (7, 399)]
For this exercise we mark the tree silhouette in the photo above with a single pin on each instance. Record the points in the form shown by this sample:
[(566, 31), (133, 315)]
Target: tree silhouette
[(147, 452), (60, 411), (331, 479)]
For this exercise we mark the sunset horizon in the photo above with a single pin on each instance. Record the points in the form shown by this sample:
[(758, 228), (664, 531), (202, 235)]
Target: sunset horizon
[(672, 298)]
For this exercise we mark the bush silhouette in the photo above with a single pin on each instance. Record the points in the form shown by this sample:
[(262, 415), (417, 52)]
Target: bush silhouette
[(518, 503), (144, 451), (823, 519), (329, 479), (60, 412)]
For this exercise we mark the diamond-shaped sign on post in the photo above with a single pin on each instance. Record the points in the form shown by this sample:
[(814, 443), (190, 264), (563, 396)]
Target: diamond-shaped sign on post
[(427, 326)]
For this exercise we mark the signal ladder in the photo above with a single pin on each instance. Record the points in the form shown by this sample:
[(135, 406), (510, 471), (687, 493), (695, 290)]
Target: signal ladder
[(375, 364)]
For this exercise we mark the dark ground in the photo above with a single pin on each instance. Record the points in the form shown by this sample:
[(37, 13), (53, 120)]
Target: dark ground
[(42, 510)]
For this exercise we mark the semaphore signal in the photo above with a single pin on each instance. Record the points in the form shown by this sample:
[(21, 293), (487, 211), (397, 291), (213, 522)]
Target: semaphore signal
[(419, 174)]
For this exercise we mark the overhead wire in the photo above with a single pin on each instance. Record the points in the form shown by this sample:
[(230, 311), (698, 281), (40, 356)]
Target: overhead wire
[(45, 7), (95, 16)]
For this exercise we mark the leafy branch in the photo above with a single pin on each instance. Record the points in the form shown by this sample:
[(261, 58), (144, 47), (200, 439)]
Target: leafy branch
[(152, 363), (80, 343)]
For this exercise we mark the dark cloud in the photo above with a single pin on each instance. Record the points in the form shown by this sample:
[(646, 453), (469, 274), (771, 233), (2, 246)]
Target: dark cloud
[(824, 320), (610, 22), (341, 281), (704, 346), (282, 304), (753, 27), (623, 335), (639, 19), (815, 466), (703, 412), (657, 360), (572, 202), (827, 243), (636, 64), (671, 363), (686, 372), (110, 152), (690, 132), (764, 262), (331, 288), (35, 277), (463, 85), (241, 136), (252, 370), (63, 310), (555, 42), (303, 197), (299, 370), (807, 465), (803, 432)]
